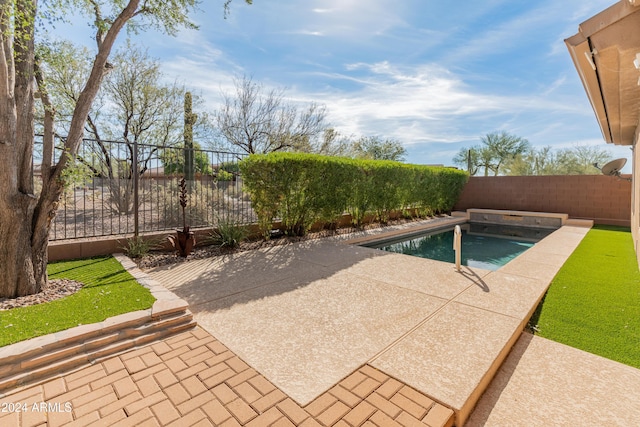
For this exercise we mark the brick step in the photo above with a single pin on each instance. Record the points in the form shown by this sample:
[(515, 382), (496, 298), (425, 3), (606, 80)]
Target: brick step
[(81, 334), (43, 357)]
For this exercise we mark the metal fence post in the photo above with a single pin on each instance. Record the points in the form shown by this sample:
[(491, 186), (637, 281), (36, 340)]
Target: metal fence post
[(135, 188)]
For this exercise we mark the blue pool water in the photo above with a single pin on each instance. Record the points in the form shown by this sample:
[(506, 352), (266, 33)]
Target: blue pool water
[(483, 245)]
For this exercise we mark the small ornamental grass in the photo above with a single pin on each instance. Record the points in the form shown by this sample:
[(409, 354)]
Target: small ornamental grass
[(228, 233), (137, 247), (109, 290), (593, 303)]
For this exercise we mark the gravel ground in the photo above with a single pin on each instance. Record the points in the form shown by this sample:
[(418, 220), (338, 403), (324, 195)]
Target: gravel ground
[(53, 290), (157, 259)]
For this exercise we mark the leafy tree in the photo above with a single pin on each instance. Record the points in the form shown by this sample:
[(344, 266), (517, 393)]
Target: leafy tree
[(495, 150), (475, 158), (502, 147), (333, 144), (173, 160), (24, 219), (578, 160), (132, 106), (376, 148), (534, 162), (67, 68), (256, 121)]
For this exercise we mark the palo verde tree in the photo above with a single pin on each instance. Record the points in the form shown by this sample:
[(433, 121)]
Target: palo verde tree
[(24, 219), (496, 149), (577, 160), (375, 148)]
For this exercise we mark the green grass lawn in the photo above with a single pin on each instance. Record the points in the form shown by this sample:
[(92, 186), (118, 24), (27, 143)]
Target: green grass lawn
[(108, 290), (593, 302)]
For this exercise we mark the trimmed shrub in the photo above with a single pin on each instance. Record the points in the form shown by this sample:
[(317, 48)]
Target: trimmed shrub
[(300, 189)]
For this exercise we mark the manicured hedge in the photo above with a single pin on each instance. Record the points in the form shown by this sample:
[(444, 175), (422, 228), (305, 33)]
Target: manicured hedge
[(301, 189)]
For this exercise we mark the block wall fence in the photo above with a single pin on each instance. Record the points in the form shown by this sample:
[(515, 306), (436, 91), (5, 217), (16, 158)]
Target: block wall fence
[(604, 199)]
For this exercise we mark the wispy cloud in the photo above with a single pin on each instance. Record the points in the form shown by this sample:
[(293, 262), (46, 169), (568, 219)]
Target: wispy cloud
[(420, 104), (496, 40), (340, 18), (308, 33)]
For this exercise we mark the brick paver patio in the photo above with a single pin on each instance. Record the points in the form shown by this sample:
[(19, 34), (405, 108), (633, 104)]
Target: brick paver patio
[(192, 379)]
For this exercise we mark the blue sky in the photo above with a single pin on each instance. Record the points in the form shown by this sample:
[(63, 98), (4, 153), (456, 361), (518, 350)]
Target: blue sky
[(435, 75)]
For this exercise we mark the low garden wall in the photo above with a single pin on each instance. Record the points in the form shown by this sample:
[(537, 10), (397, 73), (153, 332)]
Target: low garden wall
[(603, 199)]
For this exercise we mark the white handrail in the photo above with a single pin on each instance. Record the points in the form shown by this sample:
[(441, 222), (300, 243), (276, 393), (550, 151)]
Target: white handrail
[(457, 245)]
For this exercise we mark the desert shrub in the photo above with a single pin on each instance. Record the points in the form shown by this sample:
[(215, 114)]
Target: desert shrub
[(203, 200), (223, 175), (231, 167), (120, 195), (300, 189), (235, 191), (173, 159)]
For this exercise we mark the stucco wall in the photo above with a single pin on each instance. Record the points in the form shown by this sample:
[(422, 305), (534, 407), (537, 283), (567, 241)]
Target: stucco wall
[(604, 199), (635, 202)]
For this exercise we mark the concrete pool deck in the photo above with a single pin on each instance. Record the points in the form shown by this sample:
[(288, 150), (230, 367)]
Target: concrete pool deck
[(307, 315)]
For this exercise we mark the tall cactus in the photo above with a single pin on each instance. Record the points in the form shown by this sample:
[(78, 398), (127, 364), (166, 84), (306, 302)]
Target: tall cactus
[(189, 121)]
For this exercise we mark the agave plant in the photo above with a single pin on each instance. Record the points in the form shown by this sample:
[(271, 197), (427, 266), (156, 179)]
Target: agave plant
[(184, 240)]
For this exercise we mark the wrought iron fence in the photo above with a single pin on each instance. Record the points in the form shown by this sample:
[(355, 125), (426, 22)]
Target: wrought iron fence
[(120, 188)]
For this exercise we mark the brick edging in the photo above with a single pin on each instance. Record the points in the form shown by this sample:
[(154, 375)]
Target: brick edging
[(50, 355)]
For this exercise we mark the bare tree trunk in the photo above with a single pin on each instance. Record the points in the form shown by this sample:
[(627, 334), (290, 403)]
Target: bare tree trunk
[(17, 202), (15, 248), (25, 221)]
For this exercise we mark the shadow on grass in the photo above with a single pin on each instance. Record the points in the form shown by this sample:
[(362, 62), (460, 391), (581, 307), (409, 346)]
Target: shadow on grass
[(532, 324), (612, 228), (96, 260), (109, 290)]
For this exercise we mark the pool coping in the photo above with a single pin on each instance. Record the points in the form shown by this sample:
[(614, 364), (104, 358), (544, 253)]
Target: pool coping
[(399, 232), (463, 411), (458, 217)]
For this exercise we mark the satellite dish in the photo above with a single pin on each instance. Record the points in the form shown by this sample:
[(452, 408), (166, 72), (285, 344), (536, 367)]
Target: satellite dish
[(613, 167)]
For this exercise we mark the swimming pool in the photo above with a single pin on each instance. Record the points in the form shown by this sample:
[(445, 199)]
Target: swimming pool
[(484, 246)]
